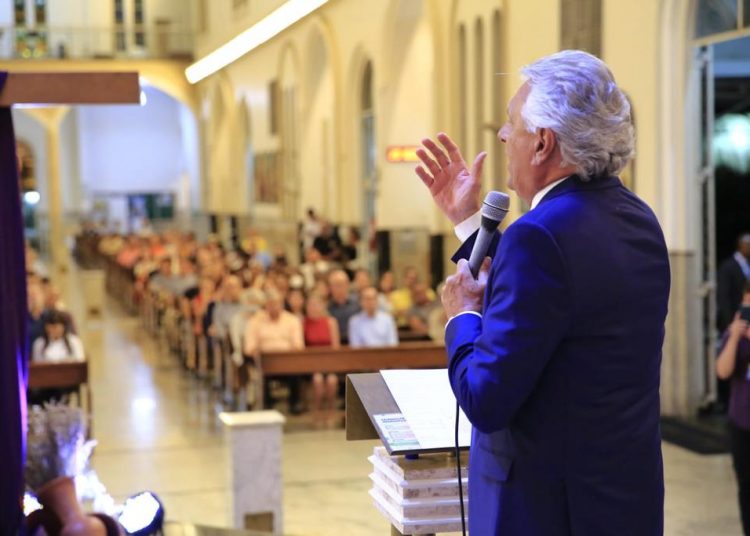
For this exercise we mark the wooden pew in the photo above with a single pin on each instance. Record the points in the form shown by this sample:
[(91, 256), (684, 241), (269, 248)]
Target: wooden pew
[(346, 360), (64, 375)]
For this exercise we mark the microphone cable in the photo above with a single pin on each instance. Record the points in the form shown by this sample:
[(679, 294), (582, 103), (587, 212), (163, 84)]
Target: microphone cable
[(458, 470)]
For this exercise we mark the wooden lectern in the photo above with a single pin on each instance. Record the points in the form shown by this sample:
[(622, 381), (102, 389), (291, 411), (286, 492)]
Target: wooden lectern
[(415, 489)]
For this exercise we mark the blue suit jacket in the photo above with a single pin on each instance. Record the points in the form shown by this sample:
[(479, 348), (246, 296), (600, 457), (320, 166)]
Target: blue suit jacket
[(560, 376)]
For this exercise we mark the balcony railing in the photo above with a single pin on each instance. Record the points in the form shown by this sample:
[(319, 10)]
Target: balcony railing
[(161, 40)]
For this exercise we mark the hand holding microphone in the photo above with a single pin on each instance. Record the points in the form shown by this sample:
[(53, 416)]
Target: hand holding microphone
[(464, 291)]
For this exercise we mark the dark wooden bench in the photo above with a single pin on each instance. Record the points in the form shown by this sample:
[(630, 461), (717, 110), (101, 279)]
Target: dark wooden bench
[(346, 360), (64, 375)]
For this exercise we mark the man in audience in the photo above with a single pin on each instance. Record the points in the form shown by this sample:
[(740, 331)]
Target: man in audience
[(731, 277), (402, 298), (275, 330), (361, 280), (313, 267), (161, 280), (418, 316), (227, 307), (329, 243), (372, 327), (343, 305)]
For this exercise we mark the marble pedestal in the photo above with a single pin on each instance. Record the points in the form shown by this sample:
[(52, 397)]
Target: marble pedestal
[(418, 496), (254, 445)]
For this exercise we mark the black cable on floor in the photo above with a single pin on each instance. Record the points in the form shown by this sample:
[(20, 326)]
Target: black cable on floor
[(458, 470)]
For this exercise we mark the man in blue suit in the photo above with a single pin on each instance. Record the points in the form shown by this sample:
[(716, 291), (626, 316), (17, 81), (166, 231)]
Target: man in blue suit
[(555, 351)]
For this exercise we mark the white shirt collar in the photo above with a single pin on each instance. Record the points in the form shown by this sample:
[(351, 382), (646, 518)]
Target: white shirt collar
[(544, 191)]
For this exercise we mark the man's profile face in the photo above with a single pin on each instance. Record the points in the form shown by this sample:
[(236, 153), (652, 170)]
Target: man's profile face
[(519, 147), (369, 301)]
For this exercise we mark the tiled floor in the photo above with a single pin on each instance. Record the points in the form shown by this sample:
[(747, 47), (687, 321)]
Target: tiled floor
[(157, 429)]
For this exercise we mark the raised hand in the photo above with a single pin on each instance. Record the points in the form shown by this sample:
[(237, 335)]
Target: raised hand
[(455, 189)]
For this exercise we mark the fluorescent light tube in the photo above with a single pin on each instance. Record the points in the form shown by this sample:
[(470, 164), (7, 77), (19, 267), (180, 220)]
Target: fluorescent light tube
[(260, 32)]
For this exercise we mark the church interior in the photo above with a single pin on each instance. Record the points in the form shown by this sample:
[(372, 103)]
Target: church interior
[(224, 241)]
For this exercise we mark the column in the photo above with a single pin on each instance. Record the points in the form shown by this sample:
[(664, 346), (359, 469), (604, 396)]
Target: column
[(51, 118)]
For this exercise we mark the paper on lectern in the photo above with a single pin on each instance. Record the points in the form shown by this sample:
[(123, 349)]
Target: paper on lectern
[(427, 403)]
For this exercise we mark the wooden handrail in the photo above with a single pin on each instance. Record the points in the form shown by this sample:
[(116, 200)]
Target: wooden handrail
[(343, 360)]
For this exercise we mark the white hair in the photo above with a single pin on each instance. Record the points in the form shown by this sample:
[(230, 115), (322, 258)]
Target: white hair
[(574, 94)]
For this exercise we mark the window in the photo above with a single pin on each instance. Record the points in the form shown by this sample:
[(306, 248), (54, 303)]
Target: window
[(119, 25), (19, 8), (581, 25), (139, 20), (40, 12), (715, 16)]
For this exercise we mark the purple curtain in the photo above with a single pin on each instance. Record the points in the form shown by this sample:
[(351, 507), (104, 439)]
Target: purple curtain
[(13, 343)]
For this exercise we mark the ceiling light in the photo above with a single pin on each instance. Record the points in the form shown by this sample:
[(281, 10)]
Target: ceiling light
[(260, 32)]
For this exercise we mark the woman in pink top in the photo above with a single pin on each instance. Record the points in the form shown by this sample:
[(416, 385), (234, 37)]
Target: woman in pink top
[(322, 330)]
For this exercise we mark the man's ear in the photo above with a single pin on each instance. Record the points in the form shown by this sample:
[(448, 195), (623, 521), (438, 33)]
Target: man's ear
[(545, 144)]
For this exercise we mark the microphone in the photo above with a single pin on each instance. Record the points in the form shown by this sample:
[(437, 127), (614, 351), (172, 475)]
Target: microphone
[(494, 209)]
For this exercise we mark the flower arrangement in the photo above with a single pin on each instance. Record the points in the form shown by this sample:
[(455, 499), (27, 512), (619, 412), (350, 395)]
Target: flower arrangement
[(56, 444)]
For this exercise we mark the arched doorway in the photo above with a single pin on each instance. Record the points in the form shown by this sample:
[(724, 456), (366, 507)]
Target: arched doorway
[(694, 41)]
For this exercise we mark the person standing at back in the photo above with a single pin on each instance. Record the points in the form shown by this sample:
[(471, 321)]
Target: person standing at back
[(555, 351)]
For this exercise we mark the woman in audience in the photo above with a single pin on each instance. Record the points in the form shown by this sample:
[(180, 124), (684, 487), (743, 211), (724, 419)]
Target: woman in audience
[(386, 286), (321, 288), (322, 330), (202, 306), (57, 343), (733, 364), (295, 303)]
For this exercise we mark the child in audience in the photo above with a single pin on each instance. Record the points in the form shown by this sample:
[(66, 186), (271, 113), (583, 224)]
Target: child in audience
[(57, 343)]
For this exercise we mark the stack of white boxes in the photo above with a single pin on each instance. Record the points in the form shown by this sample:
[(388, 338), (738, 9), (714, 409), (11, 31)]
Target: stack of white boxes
[(418, 496)]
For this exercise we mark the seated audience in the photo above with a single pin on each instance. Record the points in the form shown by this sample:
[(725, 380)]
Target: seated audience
[(418, 317), (295, 303), (342, 305), (402, 298), (372, 327), (57, 342), (361, 281), (226, 307), (438, 319), (322, 330), (386, 286), (314, 267), (329, 243), (275, 330)]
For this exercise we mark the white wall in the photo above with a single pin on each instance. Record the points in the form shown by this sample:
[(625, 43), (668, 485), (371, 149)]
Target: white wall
[(132, 148), (402, 199)]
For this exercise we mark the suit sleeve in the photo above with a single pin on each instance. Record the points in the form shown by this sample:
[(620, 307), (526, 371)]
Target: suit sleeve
[(496, 360), (464, 252)]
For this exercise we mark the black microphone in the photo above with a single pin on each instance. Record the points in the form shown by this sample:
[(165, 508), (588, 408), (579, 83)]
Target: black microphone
[(494, 209)]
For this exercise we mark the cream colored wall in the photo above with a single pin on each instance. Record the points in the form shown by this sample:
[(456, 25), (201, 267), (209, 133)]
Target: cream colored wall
[(630, 47), (416, 96)]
